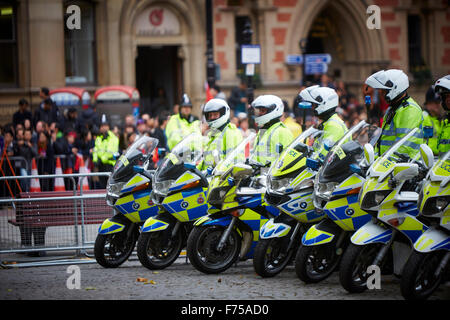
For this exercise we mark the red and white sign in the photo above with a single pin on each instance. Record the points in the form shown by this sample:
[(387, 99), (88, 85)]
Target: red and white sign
[(157, 21)]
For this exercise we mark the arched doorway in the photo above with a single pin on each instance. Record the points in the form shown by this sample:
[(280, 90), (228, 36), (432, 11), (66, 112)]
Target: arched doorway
[(160, 51), (339, 28)]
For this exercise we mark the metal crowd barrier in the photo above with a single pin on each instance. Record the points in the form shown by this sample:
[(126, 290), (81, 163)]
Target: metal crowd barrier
[(52, 221)]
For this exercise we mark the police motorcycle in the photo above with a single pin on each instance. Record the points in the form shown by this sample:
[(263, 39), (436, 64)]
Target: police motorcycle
[(390, 195), (289, 188), (428, 267), (179, 189), (335, 195), (231, 228), (128, 192)]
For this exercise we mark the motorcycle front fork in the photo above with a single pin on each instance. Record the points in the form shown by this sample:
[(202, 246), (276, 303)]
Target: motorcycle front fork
[(226, 234), (384, 249), (443, 264)]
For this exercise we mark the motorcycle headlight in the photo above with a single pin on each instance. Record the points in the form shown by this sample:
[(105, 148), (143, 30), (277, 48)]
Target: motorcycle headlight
[(324, 190), (162, 187), (374, 198), (279, 185), (113, 189), (435, 205)]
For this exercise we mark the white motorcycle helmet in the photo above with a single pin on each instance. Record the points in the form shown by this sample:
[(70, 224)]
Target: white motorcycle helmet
[(442, 87), (394, 81), (325, 99), (216, 105), (274, 106)]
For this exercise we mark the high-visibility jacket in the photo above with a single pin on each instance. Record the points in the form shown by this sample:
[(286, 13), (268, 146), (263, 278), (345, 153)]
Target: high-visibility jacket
[(105, 148), (435, 124), (407, 117), (224, 142), (292, 125), (177, 128), (444, 137), (333, 129), (265, 145)]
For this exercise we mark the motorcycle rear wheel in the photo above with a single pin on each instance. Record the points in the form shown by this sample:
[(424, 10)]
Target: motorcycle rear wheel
[(202, 251), (316, 263), (154, 254), (112, 250), (418, 280), (270, 257)]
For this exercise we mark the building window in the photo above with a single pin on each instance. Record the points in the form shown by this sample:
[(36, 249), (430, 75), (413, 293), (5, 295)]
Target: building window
[(417, 65), (8, 45), (80, 46), (240, 22)]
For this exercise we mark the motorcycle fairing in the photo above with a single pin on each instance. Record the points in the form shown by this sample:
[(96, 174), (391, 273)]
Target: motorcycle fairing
[(271, 229), (371, 232), (321, 233), (134, 182), (301, 207), (187, 205), (109, 227), (153, 225), (138, 206), (347, 213), (431, 240)]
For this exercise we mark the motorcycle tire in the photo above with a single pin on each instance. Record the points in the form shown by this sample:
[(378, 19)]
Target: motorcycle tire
[(314, 264), (355, 261), (269, 258), (154, 253), (202, 249), (112, 250), (418, 281)]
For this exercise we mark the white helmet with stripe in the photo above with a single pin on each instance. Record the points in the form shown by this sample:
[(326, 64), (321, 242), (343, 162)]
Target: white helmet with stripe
[(325, 99), (273, 106), (395, 81), (216, 105)]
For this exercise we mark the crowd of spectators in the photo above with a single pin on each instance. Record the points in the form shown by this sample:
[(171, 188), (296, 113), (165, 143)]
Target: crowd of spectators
[(50, 132)]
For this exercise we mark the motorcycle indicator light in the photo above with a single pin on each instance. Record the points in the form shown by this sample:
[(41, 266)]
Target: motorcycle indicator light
[(396, 222)]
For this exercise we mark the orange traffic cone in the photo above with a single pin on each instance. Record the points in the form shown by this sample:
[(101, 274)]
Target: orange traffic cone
[(59, 181), (35, 185), (83, 169)]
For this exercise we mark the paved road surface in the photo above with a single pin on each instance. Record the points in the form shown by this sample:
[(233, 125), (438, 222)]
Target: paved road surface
[(180, 282)]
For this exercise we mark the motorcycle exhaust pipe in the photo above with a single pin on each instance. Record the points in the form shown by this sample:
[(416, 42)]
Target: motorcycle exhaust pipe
[(226, 234)]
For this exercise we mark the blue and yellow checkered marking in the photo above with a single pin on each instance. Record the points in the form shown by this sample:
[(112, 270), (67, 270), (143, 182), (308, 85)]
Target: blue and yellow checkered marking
[(152, 225), (314, 237), (346, 213), (137, 207), (187, 205)]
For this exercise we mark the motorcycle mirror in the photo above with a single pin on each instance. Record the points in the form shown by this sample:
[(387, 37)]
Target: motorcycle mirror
[(369, 153), (405, 171), (162, 151), (138, 169), (116, 155), (242, 171), (427, 155)]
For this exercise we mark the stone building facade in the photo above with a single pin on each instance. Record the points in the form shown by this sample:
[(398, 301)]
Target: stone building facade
[(161, 44)]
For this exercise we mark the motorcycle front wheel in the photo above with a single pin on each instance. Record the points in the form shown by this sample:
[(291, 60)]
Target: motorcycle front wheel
[(355, 262), (316, 263), (112, 250), (156, 252), (202, 249), (270, 256), (418, 278)]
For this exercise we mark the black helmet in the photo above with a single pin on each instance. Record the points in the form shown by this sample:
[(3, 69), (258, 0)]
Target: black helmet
[(185, 101)]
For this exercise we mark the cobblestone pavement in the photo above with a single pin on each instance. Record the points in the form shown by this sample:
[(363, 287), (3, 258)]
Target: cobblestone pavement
[(181, 281)]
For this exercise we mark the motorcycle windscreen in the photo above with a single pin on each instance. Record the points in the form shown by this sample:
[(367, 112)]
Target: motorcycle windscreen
[(441, 169), (187, 151), (349, 150), (238, 155), (136, 154), (398, 152), (293, 157)]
